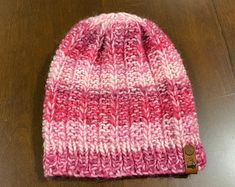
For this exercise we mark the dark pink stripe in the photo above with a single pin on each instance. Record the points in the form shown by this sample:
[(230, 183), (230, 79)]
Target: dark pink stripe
[(116, 164), (166, 101)]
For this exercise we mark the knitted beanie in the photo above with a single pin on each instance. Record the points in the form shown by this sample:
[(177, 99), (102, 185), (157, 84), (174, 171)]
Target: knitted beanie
[(118, 102)]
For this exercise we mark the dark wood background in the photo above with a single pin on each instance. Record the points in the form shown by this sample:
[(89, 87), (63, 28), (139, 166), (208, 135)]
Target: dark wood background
[(30, 31)]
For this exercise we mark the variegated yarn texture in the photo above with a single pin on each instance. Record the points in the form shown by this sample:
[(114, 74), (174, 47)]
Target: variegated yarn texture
[(118, 102)]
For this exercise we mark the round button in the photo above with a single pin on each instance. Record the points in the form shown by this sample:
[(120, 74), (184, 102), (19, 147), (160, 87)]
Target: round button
[(189, 150)]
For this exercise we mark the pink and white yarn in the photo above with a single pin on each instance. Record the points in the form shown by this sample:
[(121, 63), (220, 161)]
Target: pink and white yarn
[(118, 102)]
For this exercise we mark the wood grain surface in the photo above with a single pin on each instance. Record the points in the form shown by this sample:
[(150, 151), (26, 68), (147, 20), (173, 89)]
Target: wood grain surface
[(203, 31)]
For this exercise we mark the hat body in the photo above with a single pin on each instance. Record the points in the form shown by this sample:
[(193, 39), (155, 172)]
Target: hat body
[(118, 102)]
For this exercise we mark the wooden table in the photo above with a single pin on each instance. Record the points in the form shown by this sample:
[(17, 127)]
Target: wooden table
[(30, 31)]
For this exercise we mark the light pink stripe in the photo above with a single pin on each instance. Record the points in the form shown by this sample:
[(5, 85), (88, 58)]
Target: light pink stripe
[(106, 137), (142, 78)]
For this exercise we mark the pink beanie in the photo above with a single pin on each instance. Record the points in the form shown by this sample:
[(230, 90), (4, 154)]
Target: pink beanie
[(118, 102)]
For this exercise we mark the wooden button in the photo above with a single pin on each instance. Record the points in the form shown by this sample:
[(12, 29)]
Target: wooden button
[(189, 150)]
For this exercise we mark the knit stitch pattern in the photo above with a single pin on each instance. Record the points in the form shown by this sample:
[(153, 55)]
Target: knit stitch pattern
[(118, 102)]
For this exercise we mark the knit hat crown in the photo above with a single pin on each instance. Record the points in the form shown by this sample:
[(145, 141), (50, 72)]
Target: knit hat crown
[(118, 102)]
